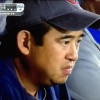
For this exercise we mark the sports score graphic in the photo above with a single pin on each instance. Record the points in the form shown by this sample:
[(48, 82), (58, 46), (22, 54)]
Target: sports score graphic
[(11, 9)]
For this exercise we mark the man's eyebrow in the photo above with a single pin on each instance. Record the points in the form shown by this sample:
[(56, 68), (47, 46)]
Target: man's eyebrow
[(70, 36), (67, 36)]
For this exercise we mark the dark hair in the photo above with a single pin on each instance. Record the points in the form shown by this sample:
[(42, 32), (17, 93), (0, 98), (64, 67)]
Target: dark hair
[(14, 25), (9, 41)]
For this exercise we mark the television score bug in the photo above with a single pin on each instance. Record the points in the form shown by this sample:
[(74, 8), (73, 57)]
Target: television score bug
[(9, 9)]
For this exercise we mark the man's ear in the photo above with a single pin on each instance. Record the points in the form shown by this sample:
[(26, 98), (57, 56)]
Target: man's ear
[(23, 41)]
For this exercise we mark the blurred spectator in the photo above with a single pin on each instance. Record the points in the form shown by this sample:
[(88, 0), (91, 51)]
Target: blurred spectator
[(91, 5)]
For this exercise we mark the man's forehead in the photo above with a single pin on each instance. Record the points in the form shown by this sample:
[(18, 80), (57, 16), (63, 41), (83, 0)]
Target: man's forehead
[(73, 34), (68, 32)]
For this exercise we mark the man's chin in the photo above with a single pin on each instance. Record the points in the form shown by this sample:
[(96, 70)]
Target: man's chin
[(59, 82), (55, 82)]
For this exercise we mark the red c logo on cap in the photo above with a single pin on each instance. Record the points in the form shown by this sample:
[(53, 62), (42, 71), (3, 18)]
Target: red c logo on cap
[(72, 1)]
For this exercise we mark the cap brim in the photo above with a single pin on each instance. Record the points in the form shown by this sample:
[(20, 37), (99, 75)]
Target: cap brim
[(76, 20)]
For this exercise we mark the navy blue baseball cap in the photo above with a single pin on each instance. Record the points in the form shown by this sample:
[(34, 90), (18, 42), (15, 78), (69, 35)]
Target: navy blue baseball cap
[(65, 14)]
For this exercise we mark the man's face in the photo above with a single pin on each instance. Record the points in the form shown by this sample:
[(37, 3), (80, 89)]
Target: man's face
[(53, 62)]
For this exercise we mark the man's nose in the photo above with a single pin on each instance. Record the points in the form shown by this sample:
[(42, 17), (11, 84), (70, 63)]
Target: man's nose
[(72, 52)]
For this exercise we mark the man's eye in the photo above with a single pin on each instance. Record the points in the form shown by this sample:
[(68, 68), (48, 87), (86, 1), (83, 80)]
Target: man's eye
[(78, 41), (66, 42)]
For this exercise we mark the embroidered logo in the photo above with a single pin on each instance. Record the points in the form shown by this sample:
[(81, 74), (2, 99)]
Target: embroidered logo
[(72, 1)]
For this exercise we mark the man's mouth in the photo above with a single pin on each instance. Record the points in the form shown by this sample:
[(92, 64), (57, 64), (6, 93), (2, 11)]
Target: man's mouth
[(67, 70)]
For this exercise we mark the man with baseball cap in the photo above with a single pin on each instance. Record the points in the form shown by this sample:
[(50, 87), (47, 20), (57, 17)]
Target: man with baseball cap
[(42, 48)]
